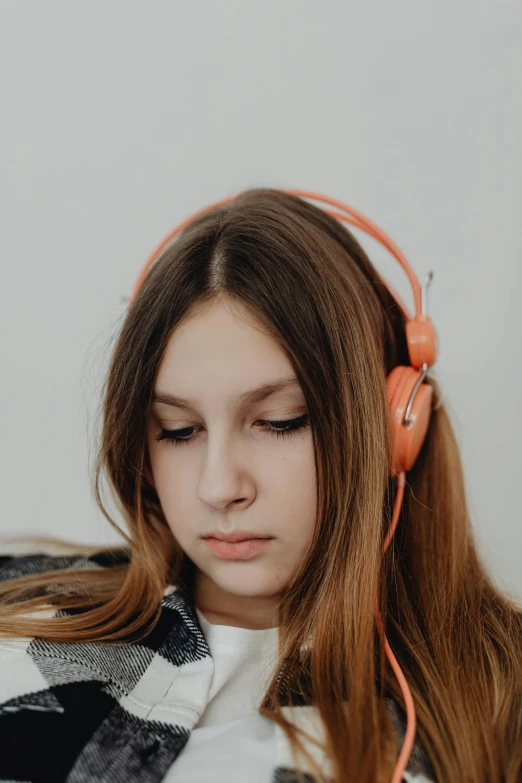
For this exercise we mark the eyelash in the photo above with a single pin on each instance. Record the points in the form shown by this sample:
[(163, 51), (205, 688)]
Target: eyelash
[(293, 426)]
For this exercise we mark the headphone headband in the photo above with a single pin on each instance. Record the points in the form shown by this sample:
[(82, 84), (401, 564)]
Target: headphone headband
[(420, 332)]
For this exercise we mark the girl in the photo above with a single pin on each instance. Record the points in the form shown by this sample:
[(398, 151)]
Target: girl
[(241, 632)]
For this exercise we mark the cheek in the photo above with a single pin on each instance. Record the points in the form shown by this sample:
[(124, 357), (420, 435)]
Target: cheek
[(298, 523), (172, 493), (297, 502)]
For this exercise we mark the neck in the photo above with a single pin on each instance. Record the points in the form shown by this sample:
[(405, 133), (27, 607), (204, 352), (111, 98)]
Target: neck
[(223, 608)]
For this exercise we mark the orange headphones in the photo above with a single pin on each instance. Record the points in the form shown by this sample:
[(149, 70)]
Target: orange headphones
[(410, 399)]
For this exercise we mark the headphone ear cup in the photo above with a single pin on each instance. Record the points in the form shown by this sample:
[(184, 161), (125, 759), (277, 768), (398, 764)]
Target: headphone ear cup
[(407, 441)]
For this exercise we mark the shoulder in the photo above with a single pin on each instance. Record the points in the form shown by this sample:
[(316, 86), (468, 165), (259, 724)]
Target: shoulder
[(15, 563)]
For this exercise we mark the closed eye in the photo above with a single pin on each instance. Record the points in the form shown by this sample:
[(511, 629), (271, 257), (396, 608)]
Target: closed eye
[(281, 428)]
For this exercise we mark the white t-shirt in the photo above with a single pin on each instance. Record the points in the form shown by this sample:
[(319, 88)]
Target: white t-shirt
[(231, 742)]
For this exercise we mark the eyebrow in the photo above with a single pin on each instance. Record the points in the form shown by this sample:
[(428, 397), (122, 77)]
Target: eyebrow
[(246, 398)]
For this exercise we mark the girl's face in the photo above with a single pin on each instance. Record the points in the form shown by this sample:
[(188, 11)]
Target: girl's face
[(227, 470)]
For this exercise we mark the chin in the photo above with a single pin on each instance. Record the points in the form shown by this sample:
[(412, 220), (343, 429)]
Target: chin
[(246, 581)]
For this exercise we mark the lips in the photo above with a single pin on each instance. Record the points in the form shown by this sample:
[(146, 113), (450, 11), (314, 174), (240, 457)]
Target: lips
[(239, 535), (237, 550)]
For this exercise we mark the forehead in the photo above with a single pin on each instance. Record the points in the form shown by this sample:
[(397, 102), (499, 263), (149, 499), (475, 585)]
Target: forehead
[(223, 354)]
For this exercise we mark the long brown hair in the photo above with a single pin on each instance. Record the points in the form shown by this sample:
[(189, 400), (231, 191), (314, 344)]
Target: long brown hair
[(457, 638)]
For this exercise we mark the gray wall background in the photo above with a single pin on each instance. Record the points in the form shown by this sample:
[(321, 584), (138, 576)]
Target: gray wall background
[(120, 118)]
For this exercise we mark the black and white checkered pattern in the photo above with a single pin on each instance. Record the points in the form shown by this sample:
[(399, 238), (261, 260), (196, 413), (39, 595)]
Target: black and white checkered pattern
[(84, 712)]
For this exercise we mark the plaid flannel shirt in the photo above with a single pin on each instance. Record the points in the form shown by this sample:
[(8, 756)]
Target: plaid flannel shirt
[(79, 712)]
